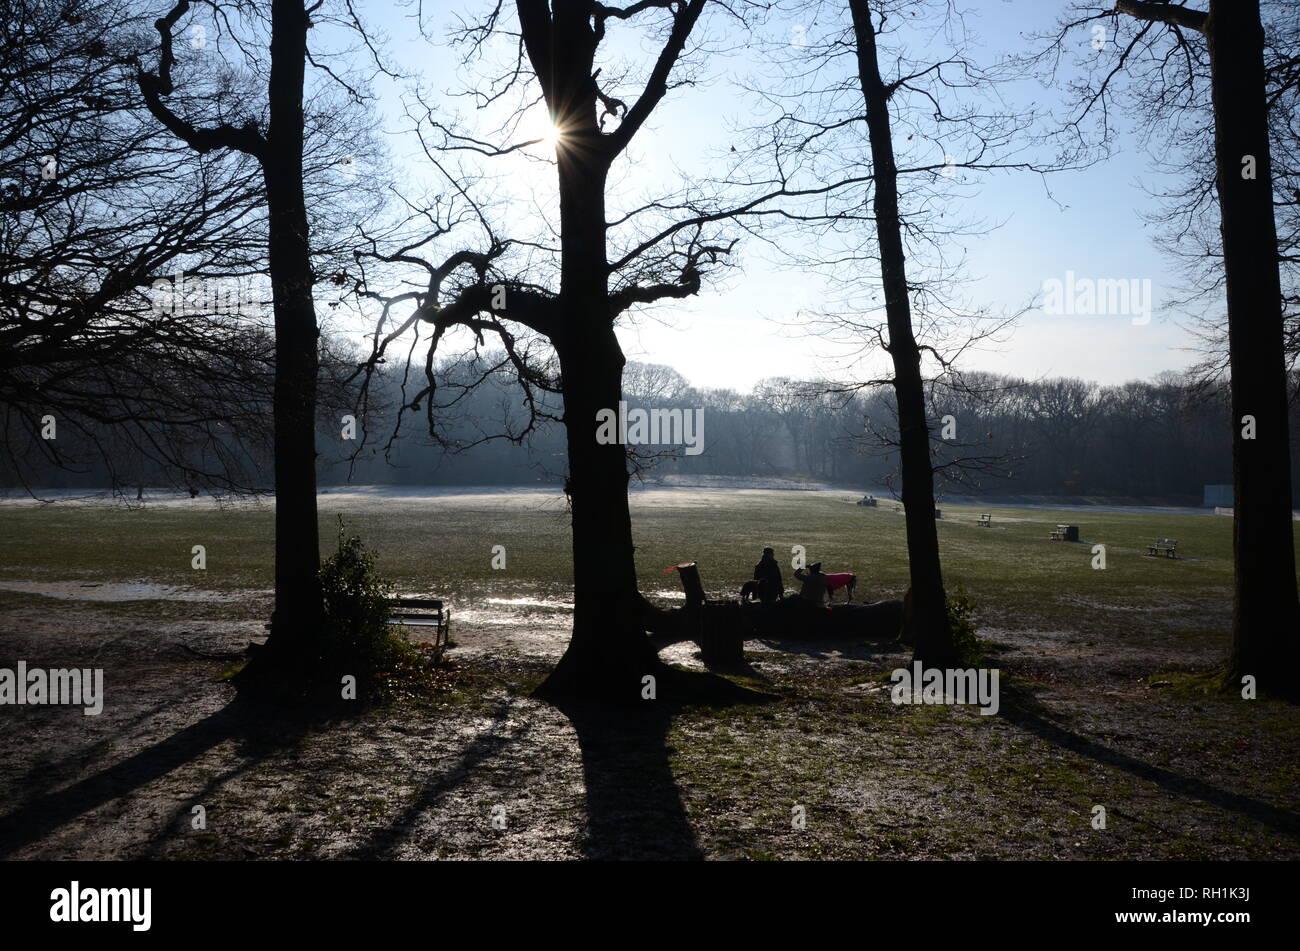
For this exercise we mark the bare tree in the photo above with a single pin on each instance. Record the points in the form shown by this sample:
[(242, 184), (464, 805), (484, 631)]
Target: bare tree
[(270, 125), (888, 242), (1181, 143), (98, 348), (538, 298), (1213, 59)]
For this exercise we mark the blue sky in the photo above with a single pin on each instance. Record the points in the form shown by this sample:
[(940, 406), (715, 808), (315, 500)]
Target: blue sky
[(753, 325)]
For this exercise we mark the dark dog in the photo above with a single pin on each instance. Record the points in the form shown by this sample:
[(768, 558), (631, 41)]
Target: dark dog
[(749, 590)]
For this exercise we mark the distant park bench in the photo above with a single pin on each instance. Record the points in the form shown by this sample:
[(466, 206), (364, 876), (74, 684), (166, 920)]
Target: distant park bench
[(986, 520), (1164, 546), (1065, 533), (868, 500), (423, 612)]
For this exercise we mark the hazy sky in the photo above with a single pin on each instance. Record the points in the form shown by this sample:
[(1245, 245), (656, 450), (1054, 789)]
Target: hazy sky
[(751, 328)]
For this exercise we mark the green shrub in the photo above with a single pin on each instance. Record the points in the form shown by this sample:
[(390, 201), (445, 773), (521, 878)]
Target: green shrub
[(971, 649), (356, 638)]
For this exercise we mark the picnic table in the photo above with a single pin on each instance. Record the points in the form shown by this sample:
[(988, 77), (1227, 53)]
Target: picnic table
[(1065, 533), (986, 519)]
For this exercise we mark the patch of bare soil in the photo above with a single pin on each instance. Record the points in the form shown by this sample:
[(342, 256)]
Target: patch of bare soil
[(487, 772)]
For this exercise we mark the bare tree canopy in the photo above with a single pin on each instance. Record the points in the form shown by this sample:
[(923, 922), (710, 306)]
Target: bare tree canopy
[(99, 218)]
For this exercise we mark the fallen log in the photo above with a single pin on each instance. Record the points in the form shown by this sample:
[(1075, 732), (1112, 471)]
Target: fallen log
[(798, 619)]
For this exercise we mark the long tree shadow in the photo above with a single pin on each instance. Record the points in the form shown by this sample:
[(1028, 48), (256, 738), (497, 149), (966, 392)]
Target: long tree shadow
[(634, 808), (383, 842), (45, 767), (634, 805), (1026, 713), (260, 727), (182, 815)]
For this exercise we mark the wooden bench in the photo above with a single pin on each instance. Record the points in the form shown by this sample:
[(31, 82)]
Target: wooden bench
[(423, 612), (419, 612), (867, 500), (1164, 546), (986, 520), (1065, 533)]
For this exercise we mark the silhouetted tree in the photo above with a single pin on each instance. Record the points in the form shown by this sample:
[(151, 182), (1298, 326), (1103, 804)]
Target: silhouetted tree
[(569, 305), (840, 126), (274, 133), (1164, 45), (95, 207)]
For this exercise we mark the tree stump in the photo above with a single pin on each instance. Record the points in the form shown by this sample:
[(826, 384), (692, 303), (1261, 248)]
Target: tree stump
[(689, 573), (721, 632)]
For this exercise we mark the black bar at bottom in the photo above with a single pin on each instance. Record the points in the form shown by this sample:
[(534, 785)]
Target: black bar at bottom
[(330, 901)]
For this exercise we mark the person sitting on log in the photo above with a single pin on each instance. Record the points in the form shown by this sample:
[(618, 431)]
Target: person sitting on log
[(771, 587), (814, 589)]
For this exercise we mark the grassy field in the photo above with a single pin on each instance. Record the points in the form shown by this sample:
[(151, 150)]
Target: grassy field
[(1012, 570), (1103, 676)]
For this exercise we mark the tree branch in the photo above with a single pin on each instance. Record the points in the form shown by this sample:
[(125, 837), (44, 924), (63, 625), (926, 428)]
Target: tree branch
[(1171, 13), (244, 138), (657, 86)]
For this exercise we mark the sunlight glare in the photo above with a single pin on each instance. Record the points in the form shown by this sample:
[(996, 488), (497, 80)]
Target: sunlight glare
[(551, 136)]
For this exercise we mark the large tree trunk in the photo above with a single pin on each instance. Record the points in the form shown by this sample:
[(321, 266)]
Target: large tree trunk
[(1266, 619), (932, 636), (298, 608), (609, 653)]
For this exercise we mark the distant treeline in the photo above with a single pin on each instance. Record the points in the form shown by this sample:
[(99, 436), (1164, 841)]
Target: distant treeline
[(992, 435)]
